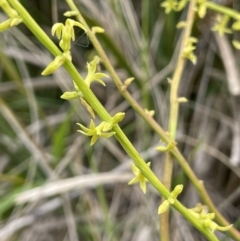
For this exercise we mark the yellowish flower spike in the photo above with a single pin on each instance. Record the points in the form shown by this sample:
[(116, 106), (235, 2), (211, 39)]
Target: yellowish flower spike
[(139, 177)]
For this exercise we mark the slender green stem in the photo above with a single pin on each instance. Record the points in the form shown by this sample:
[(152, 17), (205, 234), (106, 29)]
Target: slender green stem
[(155, 126), (173, 119), (164, 229), (221, 9), (104, 115)]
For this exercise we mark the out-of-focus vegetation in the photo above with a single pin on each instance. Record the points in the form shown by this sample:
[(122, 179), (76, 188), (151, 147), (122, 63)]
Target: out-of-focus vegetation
[(89, 198)]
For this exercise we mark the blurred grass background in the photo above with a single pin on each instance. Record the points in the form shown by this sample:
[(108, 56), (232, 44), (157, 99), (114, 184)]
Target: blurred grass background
[(84, 193)]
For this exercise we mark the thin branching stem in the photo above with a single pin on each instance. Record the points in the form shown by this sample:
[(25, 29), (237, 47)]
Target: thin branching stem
[(104, 115), (173, 118), (221, 9), (155, 126)]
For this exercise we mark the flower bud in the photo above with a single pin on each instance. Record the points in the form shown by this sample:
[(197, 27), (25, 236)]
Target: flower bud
[(163, 207), (177, 190), (118, 117), (54, 65), (182, 99), (11, 22), (5, 25), (236, 25), (57, 28), (97, 29), (236, 44), (70, 95), (70, 13)]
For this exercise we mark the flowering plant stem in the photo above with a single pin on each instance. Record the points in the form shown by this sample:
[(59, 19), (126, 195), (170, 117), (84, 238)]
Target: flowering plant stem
[(173, 118), (155, 126), (104, 115)]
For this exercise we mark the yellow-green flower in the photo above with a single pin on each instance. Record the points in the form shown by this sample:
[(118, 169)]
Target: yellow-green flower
[(202, 8), (66, 33), (139, 177), (92, 75), (169, 147), (11, 22), (95, 132), (221, 26), (169, 5), (181, 4), (57, 62), (201, 213), (171, 199), (188, 50)]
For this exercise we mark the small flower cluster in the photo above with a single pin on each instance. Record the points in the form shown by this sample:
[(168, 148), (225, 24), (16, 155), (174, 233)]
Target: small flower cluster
[(91, 76), (66, 34), (103, 129), (222, 22), (171, 199), (188, 50), (14, 18), (139, 177), (221, 25), (201, 213), (173, 5)]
